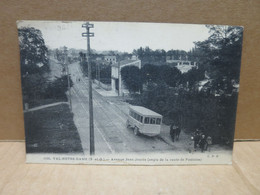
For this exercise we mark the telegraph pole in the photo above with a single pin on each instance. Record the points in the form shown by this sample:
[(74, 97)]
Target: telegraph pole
[(88, 34), (68, 75), (99, 75)]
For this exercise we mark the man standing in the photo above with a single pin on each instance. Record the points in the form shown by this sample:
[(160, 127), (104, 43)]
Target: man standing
[(177, 133), (203, 143), (196, 138), (172, 131)]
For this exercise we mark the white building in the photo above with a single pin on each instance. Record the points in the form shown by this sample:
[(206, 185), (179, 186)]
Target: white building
[(116, 80), (180, 61), (110, 59)]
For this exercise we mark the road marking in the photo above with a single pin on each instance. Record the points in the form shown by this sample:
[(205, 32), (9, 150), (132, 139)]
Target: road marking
[(113, 108), (109, 147)]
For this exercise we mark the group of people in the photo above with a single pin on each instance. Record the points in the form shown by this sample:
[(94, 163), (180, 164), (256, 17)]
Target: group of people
[(201, 141)]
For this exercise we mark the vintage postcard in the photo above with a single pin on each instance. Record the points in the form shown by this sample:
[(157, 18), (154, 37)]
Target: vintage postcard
[(129, 93)]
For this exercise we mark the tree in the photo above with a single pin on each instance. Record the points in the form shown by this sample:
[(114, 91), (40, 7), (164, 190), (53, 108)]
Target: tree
[(149, 56), (150, 73), (222, 55), (170, 75), (57, 89), (34, 62), (131, 76), (33, 51)]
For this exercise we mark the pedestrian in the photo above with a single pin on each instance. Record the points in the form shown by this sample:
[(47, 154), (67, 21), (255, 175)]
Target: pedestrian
[(197, 137), (177, 133), (209, 141), (172, 131), (203, 143)]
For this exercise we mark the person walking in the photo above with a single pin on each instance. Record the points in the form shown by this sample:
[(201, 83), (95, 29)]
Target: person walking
[(172, 131)]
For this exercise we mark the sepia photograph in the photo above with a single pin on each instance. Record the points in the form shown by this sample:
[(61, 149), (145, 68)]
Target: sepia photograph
[(129, 93)]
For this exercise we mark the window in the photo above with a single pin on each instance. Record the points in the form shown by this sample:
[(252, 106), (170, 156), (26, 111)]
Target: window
[(138, 117), (158, 121), (135, 116), (146, 120), (152, 121), (141, 119), (131, 113)]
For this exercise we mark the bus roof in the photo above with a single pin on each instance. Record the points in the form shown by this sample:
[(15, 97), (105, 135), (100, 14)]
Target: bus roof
[(144, 111)]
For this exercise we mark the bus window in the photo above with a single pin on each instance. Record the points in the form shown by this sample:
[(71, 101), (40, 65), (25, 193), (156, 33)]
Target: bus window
[(132, 114), (135, 115), (141, 119), (152, 121), (138, 117), (158, 121), (146, 120)]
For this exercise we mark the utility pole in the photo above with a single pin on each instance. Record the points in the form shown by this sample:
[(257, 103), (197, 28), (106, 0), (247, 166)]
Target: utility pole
[(68, 75), (99, 75), (118, 78), (88, 34)]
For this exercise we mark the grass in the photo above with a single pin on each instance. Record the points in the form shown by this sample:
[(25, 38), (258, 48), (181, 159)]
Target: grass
[(51, 130)]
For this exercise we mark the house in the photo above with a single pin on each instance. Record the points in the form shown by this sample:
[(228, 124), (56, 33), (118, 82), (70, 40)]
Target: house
[(180, 61), (110, 59), (116, 80)]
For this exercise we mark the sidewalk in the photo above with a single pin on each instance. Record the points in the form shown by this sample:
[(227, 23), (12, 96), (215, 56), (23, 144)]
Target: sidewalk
[(103, 92), (44, 106), (183, 144)]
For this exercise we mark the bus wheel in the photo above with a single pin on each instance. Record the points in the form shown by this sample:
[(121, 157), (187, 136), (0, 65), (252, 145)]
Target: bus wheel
[(136, 131)]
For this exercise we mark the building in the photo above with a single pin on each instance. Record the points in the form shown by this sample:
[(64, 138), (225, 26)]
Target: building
[(180, 61), (116, 80), (110, 59)]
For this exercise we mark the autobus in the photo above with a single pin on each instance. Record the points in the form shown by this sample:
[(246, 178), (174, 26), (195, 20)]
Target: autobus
[(144, 121)]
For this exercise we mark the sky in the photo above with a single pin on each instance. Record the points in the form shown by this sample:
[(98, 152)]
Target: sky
[(120, 36)]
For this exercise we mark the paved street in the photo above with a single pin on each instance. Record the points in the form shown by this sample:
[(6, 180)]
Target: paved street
[(111, 134)]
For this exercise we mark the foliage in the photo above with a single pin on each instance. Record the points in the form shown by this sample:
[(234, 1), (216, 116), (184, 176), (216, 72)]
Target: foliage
[(84, 67), (59, 55), (150, 73), (57, 88), (148, 56), (34, 63), (222, 55), (178, 97), (170, 75), (33, 52), (35, 68), (34, 86), (105, 74), (177, 54), (131, 76)]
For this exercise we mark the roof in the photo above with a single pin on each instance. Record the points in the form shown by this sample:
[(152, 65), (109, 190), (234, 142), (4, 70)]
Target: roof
[(124, 62), (144, 111), (110, 56)]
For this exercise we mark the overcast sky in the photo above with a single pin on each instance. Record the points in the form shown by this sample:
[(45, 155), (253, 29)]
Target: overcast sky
[(121, 36)]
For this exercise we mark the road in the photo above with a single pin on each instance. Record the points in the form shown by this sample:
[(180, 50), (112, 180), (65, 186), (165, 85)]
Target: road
[(111, 134)]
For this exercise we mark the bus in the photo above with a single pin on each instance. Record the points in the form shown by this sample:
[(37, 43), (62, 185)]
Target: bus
[(144, 121)]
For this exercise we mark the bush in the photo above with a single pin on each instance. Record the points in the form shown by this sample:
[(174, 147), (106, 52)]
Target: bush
[(57, 89)]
